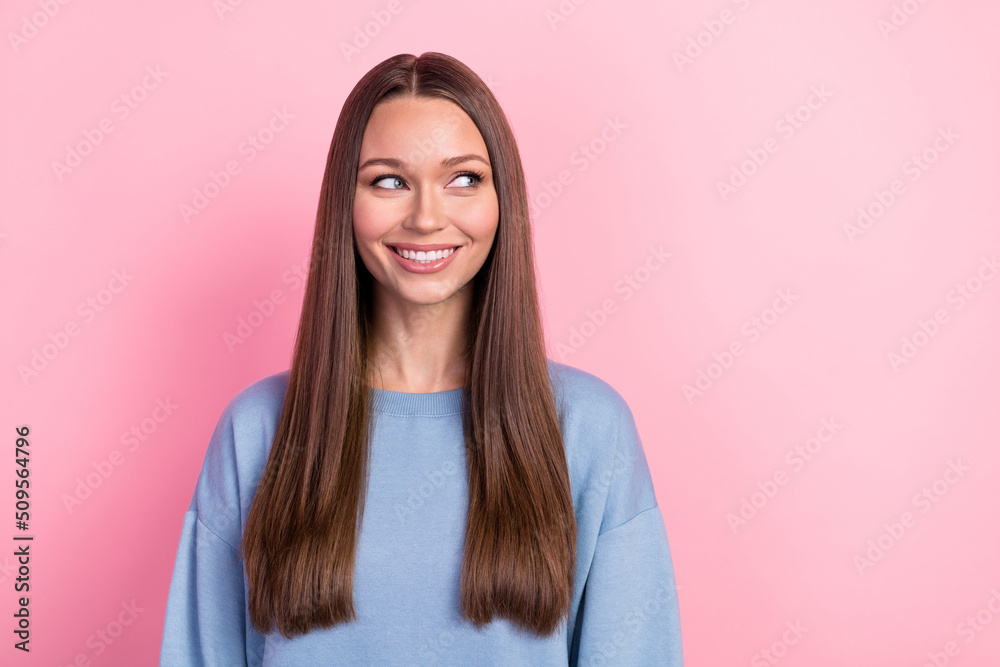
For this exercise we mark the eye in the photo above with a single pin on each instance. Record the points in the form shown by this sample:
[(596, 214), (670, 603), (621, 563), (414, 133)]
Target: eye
[(392, 178), (469, 179)]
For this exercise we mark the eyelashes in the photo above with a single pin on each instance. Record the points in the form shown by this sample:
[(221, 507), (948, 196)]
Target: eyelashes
[(384, 176), (477, 176)]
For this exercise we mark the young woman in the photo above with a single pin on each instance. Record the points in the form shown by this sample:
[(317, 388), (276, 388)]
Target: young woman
[(423, 486)]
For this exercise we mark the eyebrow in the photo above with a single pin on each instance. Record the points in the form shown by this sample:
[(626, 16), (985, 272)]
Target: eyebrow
[(396, 163)]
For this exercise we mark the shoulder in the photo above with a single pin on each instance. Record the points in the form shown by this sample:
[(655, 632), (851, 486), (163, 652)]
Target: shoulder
[(259, 398), (236, 455), (578, 392), (251, 415), (608, 470), (593, 415)]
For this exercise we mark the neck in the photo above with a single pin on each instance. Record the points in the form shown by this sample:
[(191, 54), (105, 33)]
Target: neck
[(419, 348)]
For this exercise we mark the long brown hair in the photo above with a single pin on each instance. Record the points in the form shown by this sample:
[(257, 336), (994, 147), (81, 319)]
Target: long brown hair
[(299, 540)]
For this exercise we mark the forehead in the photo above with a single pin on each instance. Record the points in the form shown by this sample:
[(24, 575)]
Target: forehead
[(420, 129)]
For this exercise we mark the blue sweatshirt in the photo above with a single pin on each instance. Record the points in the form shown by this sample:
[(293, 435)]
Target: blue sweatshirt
[(408, 562)]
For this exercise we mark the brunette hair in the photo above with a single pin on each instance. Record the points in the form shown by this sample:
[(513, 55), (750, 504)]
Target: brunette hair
[(300, 536)]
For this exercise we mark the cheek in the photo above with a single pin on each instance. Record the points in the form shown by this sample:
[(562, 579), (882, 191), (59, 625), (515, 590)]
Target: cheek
[(366, 223), (481, 219), (360, 216), (365, 235)]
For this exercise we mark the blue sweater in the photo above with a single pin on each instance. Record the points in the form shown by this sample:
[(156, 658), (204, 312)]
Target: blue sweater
[(406, 579)]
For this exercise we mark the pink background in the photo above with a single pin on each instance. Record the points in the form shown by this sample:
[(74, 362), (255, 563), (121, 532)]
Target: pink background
[(677, 129)]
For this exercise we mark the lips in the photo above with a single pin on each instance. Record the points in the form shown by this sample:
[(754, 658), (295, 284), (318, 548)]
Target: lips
[(417, 247), (416, 254), (414, 266)]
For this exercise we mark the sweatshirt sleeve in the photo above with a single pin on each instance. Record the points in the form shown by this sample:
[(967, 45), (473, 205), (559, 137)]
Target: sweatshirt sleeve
[(205, 622), (629, 613)]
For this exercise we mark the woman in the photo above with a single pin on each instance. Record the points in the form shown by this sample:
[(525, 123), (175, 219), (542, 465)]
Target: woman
[(423, 485)]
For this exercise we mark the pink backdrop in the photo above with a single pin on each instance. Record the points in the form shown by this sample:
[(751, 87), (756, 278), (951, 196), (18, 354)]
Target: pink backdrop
[(772, 226)]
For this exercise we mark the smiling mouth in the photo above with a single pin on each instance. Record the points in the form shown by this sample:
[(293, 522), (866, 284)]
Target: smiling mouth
[(424, 256)]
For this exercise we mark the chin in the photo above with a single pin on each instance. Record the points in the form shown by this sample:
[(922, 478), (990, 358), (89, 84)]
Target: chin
[(427, 297)]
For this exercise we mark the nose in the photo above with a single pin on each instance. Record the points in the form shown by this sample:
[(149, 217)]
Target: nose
[(426, 213)]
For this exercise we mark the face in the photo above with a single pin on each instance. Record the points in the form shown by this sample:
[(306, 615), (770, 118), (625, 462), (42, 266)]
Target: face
[(425, 190)]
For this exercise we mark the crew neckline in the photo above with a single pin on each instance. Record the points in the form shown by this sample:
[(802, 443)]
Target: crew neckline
[(432, 404)]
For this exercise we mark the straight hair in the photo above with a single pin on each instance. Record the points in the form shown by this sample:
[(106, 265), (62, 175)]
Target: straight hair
[(304, 523)]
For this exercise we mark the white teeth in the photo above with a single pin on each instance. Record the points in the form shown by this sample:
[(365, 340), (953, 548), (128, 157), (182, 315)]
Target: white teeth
[(422, 256)]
